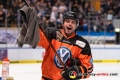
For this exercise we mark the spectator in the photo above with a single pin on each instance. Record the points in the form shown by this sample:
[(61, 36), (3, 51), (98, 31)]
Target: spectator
[(9, 18), (55, 7), (110, 27), (2, 8), (85, 25), (2, 18), (83, 3), (75, 7), (41, 7), (81, 22), (110, 15), (53, 15), (86, 7), (62, 7), (115, 10), (15, 9), (48, 8), (81, 9)]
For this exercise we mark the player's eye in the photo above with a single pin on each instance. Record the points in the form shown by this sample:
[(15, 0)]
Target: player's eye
[(73, 22), (67, 20)]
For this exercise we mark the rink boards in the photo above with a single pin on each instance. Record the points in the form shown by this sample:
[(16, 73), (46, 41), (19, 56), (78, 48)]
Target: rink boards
[(100, 53)]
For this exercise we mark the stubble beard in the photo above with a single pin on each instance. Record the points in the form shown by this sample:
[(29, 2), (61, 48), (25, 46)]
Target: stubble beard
[(68, 33)]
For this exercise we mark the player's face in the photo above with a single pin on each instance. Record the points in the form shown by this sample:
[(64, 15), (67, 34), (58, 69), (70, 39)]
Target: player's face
[(69, 26)]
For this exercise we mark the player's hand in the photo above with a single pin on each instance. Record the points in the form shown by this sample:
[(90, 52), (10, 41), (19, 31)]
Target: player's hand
[(72, 61), (71, 73), (59, 35)]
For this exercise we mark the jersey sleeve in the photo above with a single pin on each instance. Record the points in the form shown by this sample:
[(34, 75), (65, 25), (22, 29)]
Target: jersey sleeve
[(86, 61), (43, 42)]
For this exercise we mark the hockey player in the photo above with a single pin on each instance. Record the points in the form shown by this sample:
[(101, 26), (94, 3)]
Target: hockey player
[(73, 50)]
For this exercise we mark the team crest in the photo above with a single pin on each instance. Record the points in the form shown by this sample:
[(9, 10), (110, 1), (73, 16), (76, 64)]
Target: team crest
[(64, 53)]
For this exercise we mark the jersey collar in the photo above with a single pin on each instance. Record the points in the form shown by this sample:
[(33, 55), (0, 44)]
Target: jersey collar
[(72, 35)]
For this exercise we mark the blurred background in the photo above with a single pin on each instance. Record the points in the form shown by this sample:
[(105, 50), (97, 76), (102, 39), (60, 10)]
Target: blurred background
[(99, 20), (99, 23)]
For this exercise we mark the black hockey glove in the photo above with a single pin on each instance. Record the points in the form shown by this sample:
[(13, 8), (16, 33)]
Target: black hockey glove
[(72, 61), (72, 73)]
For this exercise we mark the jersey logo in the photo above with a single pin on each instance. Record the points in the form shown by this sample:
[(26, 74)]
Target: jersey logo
[(80, 43), (64, 54)]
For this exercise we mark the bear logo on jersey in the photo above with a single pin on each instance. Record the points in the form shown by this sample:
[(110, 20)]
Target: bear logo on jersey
[(64, 54)]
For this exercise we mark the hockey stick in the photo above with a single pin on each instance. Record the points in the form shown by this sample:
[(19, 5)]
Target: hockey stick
[(48, 39)]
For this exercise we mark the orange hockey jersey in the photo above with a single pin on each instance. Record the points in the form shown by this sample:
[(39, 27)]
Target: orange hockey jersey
[(74, 46)]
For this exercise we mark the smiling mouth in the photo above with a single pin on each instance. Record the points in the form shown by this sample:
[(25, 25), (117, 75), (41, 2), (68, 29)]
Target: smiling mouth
[(69, 28)]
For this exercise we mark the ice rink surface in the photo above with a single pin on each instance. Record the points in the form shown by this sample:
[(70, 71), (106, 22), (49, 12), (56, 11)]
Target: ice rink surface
[(33, 71)]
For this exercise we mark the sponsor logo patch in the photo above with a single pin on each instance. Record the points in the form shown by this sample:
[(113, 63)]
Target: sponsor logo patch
[(80, 43)]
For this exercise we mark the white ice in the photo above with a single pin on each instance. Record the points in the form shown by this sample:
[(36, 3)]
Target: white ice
[(33, 71)]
